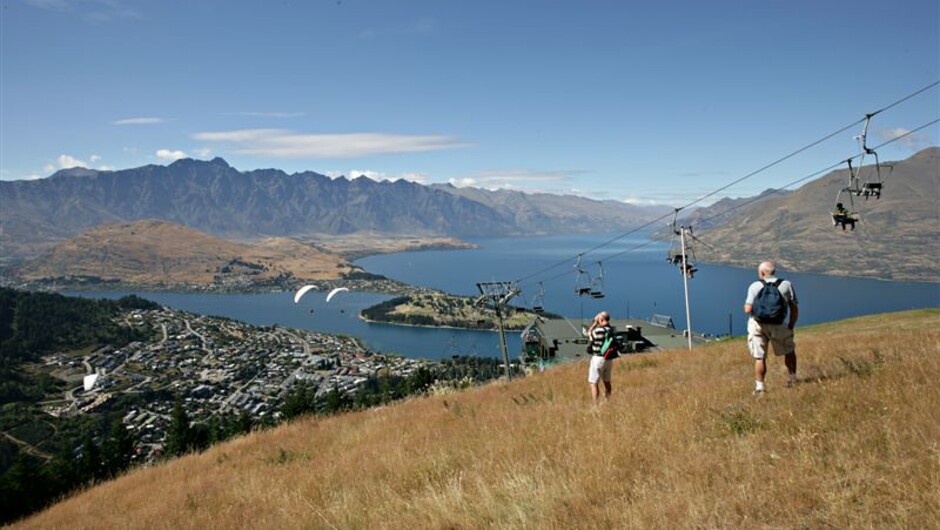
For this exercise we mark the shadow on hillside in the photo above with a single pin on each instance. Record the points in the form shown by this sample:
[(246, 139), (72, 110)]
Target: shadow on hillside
[(859, 367)]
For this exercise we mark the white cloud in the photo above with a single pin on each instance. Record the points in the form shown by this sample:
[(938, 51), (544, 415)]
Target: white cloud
[(378, 176), (90, 10), (239, 136), (527, 179), (203, 153), (371, 175), (905, 138), (138, 121), (167, 154), (670, 198), (464, 182), (258, 114), (52, 5), (420, 178), (280, 143), (67, 161), (639, 201)]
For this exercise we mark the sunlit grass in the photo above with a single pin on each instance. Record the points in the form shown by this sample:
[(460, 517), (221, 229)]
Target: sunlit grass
[(681, 444)]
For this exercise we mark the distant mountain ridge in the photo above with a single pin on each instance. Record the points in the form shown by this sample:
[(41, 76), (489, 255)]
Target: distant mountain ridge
[(711, 216), (215, 198)]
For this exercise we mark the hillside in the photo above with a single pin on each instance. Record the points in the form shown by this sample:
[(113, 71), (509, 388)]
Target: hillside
[(896, 238), (682, 444), (161, 253)]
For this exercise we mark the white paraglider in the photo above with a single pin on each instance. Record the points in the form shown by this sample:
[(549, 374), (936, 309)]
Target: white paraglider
[(302, 291), (334, 291)]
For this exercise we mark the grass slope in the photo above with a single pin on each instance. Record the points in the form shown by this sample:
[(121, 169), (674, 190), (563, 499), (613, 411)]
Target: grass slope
[(682, 444), (153, 251)]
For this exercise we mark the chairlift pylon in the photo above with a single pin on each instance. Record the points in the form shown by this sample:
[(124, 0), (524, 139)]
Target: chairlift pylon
[(685, 262)]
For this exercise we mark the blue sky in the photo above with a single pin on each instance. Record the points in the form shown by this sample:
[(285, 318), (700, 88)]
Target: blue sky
[(648, 102)]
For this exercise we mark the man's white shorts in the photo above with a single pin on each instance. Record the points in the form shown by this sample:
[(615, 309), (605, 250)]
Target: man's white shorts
[(600, 369), (759, 335)]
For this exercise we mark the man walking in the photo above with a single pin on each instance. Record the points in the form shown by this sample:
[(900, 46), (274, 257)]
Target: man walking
[(768, 302)]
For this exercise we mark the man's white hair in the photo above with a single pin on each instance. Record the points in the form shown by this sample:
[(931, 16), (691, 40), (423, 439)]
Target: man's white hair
[(768, 268)]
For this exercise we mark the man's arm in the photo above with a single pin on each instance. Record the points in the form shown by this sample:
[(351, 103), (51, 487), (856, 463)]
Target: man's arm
[(747, 308), (794, 315)]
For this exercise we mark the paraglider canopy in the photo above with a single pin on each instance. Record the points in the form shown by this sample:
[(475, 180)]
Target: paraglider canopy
[(302, 291), (334, 291)]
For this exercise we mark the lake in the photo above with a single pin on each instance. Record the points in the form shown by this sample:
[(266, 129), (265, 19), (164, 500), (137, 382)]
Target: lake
[(634, 276)]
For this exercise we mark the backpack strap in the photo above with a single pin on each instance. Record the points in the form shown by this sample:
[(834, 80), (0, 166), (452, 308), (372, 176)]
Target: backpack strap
[(608, 343)]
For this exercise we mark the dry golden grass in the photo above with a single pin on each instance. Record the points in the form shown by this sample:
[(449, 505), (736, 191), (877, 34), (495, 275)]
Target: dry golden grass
[(682, 444), (152, 251)]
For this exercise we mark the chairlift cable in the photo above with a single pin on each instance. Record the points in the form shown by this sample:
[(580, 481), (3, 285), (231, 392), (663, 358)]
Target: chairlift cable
[(726, 212), (907, 97), (745, 177), (814, 174), (592, 249), (696, 201)]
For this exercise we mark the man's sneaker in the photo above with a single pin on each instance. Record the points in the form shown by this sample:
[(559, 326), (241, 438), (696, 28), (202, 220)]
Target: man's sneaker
[(758, 392)]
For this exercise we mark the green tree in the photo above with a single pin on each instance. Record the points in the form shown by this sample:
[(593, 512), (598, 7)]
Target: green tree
[(298, 402), (334, 401), (61, 473), (90, 465), (22, 489), (179, 435), (243, 423), (117, 449)]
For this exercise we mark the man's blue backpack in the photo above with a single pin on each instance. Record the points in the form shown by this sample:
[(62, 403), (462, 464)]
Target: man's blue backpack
[(769, 306)]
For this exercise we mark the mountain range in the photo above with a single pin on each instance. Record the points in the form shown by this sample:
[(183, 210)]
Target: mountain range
[(895, 238), (215, 198)]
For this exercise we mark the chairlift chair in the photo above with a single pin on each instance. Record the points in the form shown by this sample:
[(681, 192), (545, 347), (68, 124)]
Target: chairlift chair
[(674, 256), (870, 188), (840, 215), (597, 282), (582, 281), (539, 299)]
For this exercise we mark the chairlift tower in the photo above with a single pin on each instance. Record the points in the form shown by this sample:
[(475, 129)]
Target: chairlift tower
[(498, 294), (685, 283)]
